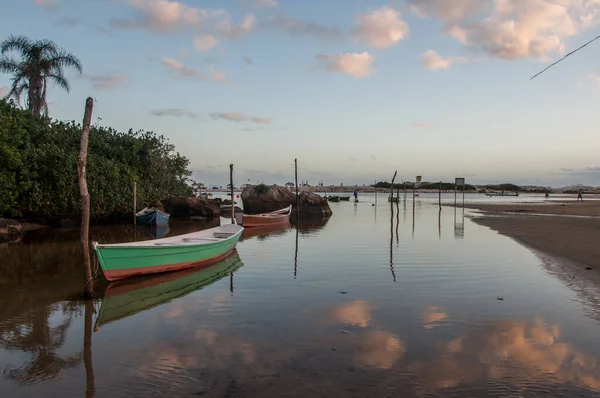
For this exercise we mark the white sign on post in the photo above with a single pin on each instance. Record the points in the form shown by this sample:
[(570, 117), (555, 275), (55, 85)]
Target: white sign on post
[(459, 181)]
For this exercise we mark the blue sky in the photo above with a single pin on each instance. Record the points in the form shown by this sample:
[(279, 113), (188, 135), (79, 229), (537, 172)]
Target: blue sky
[(354, 89)]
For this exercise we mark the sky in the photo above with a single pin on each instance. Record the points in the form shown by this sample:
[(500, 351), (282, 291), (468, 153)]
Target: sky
[(354, 89)]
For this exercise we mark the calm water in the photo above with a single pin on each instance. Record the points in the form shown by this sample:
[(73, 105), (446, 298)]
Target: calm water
[(369, 303)]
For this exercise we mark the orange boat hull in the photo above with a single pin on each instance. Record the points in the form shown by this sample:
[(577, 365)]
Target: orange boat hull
[(250, 220)]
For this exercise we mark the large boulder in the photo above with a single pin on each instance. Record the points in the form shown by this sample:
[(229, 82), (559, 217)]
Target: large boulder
[(10, 230), (184, 206), (262, 199), (312, 205)]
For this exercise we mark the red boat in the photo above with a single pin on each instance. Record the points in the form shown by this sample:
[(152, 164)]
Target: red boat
[(278, 217)]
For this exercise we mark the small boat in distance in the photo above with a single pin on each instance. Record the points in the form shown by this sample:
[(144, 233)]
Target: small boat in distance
[(194, 250), (152, 216), (278, 217), (345, 198), (333, 198)]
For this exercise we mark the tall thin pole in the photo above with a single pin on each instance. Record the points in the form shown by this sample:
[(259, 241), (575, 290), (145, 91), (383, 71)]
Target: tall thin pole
[(455, 194), (88, 280), (134, 203), (375, 192), (231, 185), (464, 194), (296, 176), (392, 187)]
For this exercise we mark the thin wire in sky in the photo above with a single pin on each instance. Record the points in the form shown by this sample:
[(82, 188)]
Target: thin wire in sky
[(572, 52)]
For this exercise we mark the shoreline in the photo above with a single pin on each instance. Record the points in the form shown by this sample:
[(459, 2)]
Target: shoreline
[(567, 232)]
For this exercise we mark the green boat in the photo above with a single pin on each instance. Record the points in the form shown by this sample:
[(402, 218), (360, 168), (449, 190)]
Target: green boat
[(194, 250), (125, 298), (333, 198)]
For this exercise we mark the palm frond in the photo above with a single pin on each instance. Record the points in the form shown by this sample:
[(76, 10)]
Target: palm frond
[(8, 65), (60, 80), (17, 43), (16, 90), (46, 47), (64, 59)]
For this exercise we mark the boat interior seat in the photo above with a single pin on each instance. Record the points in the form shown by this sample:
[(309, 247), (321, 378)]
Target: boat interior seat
[(223, 234), (199, 239)]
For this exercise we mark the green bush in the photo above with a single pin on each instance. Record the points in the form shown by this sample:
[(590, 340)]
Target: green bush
[(38, 167)]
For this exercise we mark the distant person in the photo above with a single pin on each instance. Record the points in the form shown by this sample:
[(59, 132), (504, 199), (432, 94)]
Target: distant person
[(547, 195), (355, 195), (580, 194)]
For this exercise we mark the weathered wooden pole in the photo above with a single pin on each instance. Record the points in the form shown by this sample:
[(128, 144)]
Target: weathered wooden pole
[(392, 187), (440, 196), (464, 194), (296, 176), (376, 192), (231, 185), (134, 203), (455, 194), (88, 280)]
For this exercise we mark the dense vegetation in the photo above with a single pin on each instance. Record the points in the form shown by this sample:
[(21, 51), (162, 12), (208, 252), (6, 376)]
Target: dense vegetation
[(446, 186), (38, 167)]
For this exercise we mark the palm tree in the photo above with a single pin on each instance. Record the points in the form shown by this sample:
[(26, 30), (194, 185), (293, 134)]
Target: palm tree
[(41, 62)]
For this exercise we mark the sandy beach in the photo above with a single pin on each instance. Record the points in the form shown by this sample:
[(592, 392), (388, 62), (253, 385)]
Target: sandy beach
[(564, 230)]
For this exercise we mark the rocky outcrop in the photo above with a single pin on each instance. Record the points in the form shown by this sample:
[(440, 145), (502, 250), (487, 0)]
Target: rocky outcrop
[(10, 230), (262, 199), (312, 205), (183, 206)]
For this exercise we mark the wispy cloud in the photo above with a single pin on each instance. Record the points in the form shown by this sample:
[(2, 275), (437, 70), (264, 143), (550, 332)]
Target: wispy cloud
[(595, 78), (266, 3), (205, 42), (359, 65), (70, 22), (3, 91), (166, 16), (108, 81), (247, 60), (423, 124), (218, 75), (373, 157), (297, 27), (49, 5), (174, 112), (434, 61), (239, 117), (381, 28), (180, 71), (230, 30), (183, 54)]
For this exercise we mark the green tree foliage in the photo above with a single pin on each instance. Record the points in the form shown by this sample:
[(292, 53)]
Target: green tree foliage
[(38, 167), (40, 62)]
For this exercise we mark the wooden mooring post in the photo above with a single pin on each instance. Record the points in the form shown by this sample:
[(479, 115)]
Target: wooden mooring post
[(440, 196), (296, 176), (134, 203), (392, 187), (88, 280), (232, 201)]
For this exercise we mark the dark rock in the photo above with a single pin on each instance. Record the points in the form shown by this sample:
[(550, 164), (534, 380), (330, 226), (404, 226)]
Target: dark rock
[(226, 210), (158, 204), (66, 222), (10, 230), (312, 205), (183, 206), (267, 199), (588, 268)]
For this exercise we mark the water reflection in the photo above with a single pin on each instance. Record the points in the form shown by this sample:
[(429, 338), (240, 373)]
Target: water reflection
[(264, 233), (131, 296), (459, 224), (523, 354), (31, 334)]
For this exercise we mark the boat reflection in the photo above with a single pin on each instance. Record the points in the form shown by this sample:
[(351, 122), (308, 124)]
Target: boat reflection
[(155, 232), (129, 297), (263, 233), (308, 226)]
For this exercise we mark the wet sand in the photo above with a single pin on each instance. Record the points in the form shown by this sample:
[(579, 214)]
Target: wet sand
[(549, 229)]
